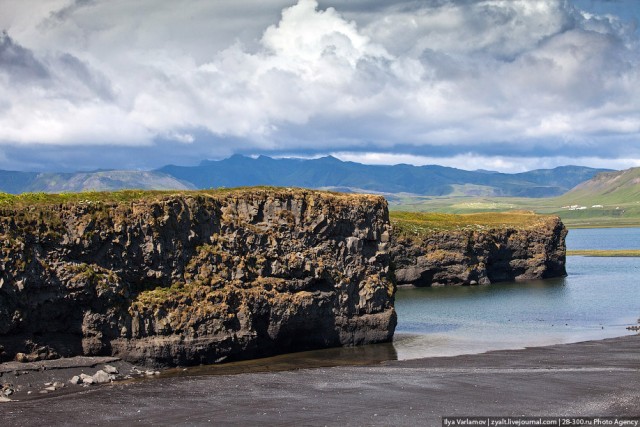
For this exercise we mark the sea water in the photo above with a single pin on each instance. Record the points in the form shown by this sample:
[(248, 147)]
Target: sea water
[(598, 299), (604, 238)]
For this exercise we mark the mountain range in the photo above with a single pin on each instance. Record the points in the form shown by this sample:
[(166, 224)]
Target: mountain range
[(334, 174), (323, 173), (21, 182)]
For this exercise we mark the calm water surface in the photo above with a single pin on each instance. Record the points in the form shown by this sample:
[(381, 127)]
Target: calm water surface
[(604, 238), (597, 299)]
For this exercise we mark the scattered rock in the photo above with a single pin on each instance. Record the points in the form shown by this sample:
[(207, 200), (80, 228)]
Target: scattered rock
[(110, 369), (34, 352), (7, 390), (22, 358), (75, 380), (4, 399), (101, 377), (51, 388), (86, 379)]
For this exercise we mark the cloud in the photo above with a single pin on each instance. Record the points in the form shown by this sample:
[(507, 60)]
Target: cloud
[(436, 78), (18, 64), (58, 99), (185, 138), (470, 161)]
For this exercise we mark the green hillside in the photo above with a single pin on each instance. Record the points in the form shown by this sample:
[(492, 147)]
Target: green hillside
[(610, 199), (608, 188)]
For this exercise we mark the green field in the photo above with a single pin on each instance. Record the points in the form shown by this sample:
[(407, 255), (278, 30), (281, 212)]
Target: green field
[(610, 199), (620, 214), (88, 197), (446, 221)]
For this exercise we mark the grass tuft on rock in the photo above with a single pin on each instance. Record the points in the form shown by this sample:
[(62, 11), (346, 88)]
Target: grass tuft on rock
[(410, 224)]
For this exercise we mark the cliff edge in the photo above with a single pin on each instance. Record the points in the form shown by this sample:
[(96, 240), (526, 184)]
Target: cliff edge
[(196, 277), (430, 249)]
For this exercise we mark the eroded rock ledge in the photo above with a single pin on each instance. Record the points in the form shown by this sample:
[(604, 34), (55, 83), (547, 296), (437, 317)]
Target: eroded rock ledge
[(194, 278), (442, 249)]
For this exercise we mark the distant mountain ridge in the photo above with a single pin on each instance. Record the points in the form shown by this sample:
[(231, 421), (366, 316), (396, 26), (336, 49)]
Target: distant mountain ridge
[(321, 173), (16, 182), (331, 173), (20, 182)]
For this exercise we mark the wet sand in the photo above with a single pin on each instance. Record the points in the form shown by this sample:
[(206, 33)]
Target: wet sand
[(590, 378)]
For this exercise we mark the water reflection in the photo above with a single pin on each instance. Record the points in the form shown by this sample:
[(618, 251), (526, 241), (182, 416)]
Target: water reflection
[(597, 300), (341, 356)]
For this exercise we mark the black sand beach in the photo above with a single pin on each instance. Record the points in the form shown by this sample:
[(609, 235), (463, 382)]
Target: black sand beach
[(594, 378)]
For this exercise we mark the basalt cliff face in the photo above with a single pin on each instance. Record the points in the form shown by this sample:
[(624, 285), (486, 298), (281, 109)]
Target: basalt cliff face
[(534, 249), (196, 277)]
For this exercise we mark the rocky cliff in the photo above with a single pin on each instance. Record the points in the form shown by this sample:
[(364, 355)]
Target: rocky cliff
[(440, 249), (193, 278)]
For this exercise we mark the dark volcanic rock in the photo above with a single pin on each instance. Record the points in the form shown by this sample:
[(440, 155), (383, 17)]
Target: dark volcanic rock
[(534, 250), (195, 278)]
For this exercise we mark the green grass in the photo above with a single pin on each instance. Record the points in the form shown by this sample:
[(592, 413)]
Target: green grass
[(42, 199), (625, 212), (611, 188), (88, 196), (412, 224), (606, 253), (620, 214), (456, 221), (609, 200)]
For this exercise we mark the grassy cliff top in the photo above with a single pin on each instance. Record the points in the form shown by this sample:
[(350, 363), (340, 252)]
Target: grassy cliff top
[(416, 223), (44, 199)]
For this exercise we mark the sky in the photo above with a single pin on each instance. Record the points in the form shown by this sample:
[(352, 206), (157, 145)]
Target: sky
[(507, 85)]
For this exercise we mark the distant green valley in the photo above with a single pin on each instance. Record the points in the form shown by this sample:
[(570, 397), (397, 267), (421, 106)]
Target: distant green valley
[(610, 199)]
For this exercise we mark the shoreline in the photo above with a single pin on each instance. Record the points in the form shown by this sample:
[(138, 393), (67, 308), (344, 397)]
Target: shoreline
[(579, 379), (33, 380), (604, 252)]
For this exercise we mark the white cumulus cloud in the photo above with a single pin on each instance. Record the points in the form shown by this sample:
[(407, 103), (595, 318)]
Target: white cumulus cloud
[(515, 78)]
